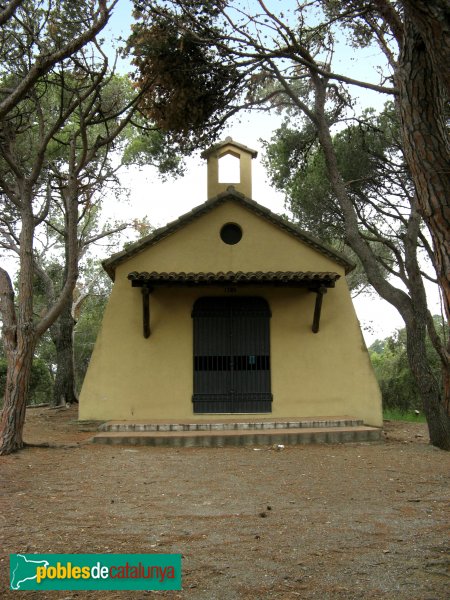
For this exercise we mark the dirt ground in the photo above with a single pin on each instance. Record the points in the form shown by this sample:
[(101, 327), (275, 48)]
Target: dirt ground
[(343, 521)]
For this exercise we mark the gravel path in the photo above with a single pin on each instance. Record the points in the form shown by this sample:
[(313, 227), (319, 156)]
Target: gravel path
[(344, 521)]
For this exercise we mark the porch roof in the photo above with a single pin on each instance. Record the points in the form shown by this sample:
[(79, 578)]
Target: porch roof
[(278, 278)]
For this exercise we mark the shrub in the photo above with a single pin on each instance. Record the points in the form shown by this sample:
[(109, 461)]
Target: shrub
[(41, 383)]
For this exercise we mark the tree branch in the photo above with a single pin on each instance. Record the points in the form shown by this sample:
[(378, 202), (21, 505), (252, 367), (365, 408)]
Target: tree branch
[(104, 234), (8, 311), (44, 62), (8, 11)]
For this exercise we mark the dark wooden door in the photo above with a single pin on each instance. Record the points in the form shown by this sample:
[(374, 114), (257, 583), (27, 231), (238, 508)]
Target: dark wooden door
[(231, 355)]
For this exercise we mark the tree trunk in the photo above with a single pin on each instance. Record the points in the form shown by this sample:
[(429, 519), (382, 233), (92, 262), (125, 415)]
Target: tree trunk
[(63, 391), (20, 336), (426, 145), (432, 19), (16, 392), (429, 389), (412, 307)]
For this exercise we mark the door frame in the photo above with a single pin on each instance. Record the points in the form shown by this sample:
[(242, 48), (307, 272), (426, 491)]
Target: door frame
[(232, 374)]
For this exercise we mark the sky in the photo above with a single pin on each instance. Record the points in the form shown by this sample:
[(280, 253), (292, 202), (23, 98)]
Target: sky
[(162, 202)]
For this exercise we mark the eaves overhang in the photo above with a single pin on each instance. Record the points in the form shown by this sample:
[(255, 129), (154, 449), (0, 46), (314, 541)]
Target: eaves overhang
[(307, 279)]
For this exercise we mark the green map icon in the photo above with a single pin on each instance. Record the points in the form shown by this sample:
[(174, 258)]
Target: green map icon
[(23, 569)]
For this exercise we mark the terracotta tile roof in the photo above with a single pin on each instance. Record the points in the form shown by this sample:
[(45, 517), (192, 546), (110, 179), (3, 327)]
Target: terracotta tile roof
[(280, 278), (217, 147), (111, 263)]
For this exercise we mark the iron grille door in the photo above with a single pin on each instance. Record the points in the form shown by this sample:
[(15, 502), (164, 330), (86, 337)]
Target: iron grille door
[(231, 355)]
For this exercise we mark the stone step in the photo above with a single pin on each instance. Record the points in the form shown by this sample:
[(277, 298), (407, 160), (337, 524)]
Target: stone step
[(209, 439), (230, 425)]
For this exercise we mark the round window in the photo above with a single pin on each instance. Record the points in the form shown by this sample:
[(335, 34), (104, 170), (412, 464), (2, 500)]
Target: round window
[(231, 234)]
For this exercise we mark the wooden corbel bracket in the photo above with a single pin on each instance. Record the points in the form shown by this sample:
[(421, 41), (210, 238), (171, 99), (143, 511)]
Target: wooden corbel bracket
[(146, 291), (318, 307)]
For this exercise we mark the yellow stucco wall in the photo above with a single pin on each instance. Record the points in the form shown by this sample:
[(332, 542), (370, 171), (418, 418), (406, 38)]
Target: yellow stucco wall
[(323, 374), (244, 186)]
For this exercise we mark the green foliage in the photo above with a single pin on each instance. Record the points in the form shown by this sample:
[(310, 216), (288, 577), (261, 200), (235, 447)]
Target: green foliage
[(390, 362), (395, 379), (41, 383), (367, 154), (88, 326), (372, 167), (184, 84), (46, 352), (143, 228), (152, 148), (414, 416)]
